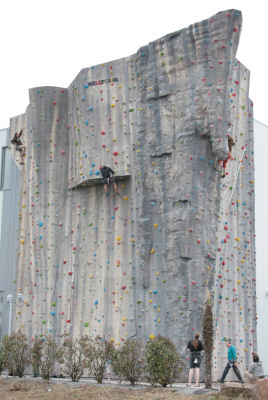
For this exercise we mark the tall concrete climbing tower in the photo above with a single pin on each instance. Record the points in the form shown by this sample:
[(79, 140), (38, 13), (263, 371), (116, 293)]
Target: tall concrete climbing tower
[(140, 264)]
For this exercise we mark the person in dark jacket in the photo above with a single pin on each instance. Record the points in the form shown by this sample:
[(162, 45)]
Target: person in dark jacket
[(107, 173), (196, 349), (19, 146), (232, 363)]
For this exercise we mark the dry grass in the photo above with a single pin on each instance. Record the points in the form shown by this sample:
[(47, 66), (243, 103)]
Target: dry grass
[(23, 389)]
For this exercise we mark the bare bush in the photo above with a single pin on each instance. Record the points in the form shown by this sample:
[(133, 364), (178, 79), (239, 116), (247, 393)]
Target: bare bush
[(36, 355), (16, 354), (96, 352), (50, 354), (73, 358), (128, 362)]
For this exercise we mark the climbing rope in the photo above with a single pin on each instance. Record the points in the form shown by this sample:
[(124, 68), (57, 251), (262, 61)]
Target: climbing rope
[(236, 178)]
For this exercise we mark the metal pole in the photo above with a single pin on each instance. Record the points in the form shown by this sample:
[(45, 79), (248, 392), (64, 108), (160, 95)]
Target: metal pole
[(9, 300)]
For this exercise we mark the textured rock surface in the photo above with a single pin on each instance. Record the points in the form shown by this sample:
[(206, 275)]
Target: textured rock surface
[(139, 264)]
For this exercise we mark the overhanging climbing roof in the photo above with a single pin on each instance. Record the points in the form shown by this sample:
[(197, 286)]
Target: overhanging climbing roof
[(96, 181)]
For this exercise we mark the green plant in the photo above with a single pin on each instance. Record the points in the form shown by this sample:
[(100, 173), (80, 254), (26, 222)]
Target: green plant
[(2, 359), (16, 355), (50, 354), (163, 362), (207, 325), (36, 354), (96, 352), (73, 358), (127, 362)]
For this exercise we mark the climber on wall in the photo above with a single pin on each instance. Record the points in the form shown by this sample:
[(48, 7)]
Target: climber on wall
[(221, 167), (19, 146), (106, 173)]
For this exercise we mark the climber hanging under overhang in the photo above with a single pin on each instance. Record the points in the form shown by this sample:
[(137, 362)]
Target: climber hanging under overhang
[(107, 173), (221, 165), (19, 146)]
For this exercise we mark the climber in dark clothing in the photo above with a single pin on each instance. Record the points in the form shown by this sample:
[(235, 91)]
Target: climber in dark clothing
[(106, 173), (19, 146)]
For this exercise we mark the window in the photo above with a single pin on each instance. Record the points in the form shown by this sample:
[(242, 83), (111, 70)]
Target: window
[(5, 169)]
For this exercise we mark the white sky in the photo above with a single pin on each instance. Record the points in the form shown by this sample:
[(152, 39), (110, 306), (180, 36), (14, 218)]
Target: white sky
[(49, 42)]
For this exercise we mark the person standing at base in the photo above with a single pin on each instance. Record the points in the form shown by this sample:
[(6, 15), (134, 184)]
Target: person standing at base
[(106, 173), (232, 363), (196, 349)]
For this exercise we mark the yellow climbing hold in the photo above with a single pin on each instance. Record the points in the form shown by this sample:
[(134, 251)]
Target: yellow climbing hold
[(152, 251), (22, 241), (125, 197), (112, 339), (118, 238), (155, 226), (91, 276), (152, 336)]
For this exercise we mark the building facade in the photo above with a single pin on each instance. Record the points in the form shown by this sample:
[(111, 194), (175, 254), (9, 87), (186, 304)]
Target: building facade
[(261, 145), (9, 209)]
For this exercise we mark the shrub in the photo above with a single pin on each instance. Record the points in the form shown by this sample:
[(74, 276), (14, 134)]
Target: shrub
[(163, 363), (16, 355), (73, 358), (128, 361), (50, 354), (96, 352), (2, 359), (207, 324), (36, 355)]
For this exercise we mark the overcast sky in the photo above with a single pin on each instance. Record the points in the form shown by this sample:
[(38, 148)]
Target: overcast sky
[(49, 42)]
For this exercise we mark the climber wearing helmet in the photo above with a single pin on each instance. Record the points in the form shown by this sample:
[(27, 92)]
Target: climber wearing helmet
[(106, 173)]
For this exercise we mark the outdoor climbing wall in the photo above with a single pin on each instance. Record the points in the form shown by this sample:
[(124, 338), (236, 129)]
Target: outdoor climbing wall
[(139, 264)]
